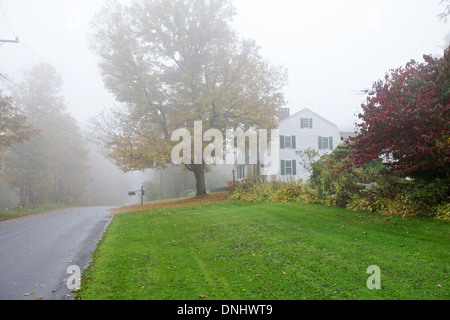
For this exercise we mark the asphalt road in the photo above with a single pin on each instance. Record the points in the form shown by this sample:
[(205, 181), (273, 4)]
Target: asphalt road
[(35, 251)]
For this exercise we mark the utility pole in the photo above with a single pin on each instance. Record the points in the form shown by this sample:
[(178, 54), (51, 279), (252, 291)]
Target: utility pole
[(10, 41), (142, 195)]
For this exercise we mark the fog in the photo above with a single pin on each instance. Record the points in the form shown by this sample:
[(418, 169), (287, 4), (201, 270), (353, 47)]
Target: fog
[(332, 49)]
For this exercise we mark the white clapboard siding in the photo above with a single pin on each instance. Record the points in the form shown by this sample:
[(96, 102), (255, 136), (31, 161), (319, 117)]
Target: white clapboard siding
[(306, 137)]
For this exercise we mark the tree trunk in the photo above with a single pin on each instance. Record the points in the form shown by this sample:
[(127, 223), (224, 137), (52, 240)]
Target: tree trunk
[(23, 195), (199, 173)]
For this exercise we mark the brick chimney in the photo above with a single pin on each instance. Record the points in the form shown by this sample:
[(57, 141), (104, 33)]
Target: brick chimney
[(283, 113)]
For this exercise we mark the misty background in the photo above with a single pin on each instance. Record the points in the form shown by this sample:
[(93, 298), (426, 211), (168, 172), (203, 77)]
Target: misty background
[(332, 49)]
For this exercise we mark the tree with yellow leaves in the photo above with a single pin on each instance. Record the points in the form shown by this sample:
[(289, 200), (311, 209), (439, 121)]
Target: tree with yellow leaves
[(171, 63), (13, 127)]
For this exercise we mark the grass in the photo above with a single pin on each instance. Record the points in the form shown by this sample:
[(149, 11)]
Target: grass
[(13, 214), (209, 198), (243, 251)]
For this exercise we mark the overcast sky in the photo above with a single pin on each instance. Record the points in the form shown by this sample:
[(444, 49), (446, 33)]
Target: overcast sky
[(332, 49)]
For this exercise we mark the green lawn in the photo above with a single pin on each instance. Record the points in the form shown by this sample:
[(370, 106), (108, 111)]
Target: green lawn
[(243, 251)]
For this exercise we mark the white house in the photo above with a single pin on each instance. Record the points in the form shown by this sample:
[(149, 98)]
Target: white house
[(302, 130)]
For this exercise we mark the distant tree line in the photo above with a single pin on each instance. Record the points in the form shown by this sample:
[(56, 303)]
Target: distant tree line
[(51, 166), (44, 155)]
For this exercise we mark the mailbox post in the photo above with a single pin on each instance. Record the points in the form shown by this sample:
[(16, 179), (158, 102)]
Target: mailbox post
[(140, 193)]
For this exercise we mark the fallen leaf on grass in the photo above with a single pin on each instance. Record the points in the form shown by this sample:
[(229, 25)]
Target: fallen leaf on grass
[(202, 296)]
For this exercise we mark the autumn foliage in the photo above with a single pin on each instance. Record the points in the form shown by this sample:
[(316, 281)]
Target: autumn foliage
[(13, 128), (405, 120)]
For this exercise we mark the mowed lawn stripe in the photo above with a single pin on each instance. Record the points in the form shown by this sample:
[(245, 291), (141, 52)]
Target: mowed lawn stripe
[(239, 250)]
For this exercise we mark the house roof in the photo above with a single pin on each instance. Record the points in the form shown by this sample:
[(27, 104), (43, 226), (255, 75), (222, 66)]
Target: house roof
[(346, 135), (310, 111)]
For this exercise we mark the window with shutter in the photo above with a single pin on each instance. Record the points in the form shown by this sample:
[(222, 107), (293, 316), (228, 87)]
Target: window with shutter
[(325, 143), (288, 168), (305, 123), (288, 142), (294, 168), (283, 172)]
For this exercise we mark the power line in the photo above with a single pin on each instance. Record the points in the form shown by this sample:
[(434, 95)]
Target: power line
[(59, 127), (7, 21), (3, 41), (85, 137), (53, 123), (45, 102), (41, 100), (65, 77), (40, 57)]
